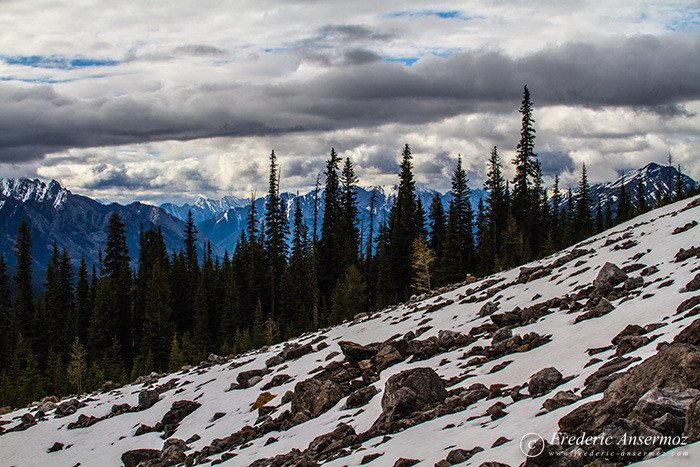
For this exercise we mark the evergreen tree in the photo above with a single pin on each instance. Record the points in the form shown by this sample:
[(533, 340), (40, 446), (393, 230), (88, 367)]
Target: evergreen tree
[(190, 244), (583, 225), (77, 366), (6, 321), (347, 300), (329, 243), (599, 219), (680, 189), (608, 214), (275, 234), (348, 216), (624, 205), (525, 167), (497, 205), (555, 218), (437, 225), (83, 305), (297, 297), (451, 264), (403, 229), (24, 289), (483, 250), (641, 203), (158, 325), (463, 210)]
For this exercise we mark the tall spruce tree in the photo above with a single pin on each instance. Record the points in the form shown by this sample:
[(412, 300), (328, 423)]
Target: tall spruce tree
[(555, 218), (525, 167), (497, 204), (6, 321), (624, 205), (463, 210), (582, 223), (437, 225), (276, 232), (24, 294), (329, 243), (641, 205), (348, 216)]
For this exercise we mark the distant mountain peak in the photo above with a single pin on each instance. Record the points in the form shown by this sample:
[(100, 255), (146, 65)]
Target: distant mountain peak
[(25, 189)]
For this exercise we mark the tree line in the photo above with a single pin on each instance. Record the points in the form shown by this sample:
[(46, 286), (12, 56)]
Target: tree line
[(116, 321)]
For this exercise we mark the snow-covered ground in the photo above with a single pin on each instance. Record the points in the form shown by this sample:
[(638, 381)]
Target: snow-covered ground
[(103, 443)]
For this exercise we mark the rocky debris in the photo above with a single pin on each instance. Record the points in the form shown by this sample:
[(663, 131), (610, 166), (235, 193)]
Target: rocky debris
[(493, 464), (68, 407), (294, 351), (658, 402), (602, 308), (605, 375), (167, 386), (692, 421), (147, 399), (500, 442), (573, 254), (83, 422), (316, 396), (250, 378), (148, 379), (277, 380), (488, 309), (178, 411), (48, 406), (138, 456), (110, 386), (687, 226), (55, 447), (262, 399), (458, 456), (560, 399), (608, 277), (501, 335), (370, 457), (514, 344), (649, 271), (343, 435), (361, 397), (403, 462), (355, 353), (686, 305), (694, 284), (173, 451), (274, 361), (412, 390), (630, 330), (496, 411), (216, 359), (143, 429), (683, 255), (628, 344), (544, 381), (438, 306), (528, 274)]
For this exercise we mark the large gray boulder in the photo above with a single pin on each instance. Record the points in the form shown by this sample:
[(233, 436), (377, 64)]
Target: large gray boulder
[(413, 390), (608, 277), (544, 381), (316, 396), (660, 401)]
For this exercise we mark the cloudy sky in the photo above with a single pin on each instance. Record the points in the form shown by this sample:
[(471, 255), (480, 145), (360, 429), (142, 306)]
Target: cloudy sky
[(167, 100)]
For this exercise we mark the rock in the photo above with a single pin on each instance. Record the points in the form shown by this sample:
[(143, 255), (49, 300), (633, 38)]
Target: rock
[(216, 359), (629, 343), (689, 335), (626, 429), (178, 411), (274, 361), (560, 399), (343, 435), (254, 380), (370, 457), (56, 447), (403, 462), (277, 380), (669, 425), (147, 398), (671, 400), (361, 397), (686, 305), (501, 335), (457, 456), (608, 277), (287, 397), (355, 353), (387, 356), (66, 408), (500, 441), (603, 307), (173, 451), (316, 396), (693, 285), (573, 421), (119, 409), (493, 464), (262, 399), (143, 429), (294, 351), (630, 330), (48, 406), (412, 390), (682, 254), (110, 386), (496, 411), (244, 377), (135, 457), (488, 309), (83, 422), (544, 381), (649, 271), (692, 421)]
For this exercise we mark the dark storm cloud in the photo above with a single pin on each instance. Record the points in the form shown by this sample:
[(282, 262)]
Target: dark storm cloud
[(641, 72), (556, 162), (199, 50)]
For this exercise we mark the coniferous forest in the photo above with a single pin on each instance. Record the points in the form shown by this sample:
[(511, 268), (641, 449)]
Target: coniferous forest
[(152, 310)]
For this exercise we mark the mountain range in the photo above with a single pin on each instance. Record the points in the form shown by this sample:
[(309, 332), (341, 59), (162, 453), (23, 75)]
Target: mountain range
[(78, 223)]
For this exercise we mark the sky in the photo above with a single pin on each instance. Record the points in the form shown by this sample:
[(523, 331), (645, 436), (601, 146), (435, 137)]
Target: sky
[(164, 101)]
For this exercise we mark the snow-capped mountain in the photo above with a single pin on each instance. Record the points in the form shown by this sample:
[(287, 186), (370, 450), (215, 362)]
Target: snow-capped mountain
[(204, 208), (656, 181), (74, 222), (600, 340)]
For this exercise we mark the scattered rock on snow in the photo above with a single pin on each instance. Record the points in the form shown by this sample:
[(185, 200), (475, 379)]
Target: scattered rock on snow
[(608, 277), (544, 381)]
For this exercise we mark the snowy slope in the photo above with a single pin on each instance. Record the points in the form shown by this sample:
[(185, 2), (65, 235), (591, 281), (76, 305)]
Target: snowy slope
[(104, 442)]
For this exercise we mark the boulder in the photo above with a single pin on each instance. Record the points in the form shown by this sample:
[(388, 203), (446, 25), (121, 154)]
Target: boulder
[(692, 421), (560, 399), (294, 351), (277, 380), (343, 435), (173, 451), (361, 397), (48, 406), (147, 399), (457, 456), (178, 411), (244, 377), (628, 344), (55, 447), (316, 396), (110, 386), (625, 429), (630, 330), (488, 309), (137, 456), (694, 284), (412, 390), (404, 462), (608, 277), (544, 381), (671, 400), (262, 399), (686, 305), (355, 353), (387, 356), (501, 335), (274, 361)]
